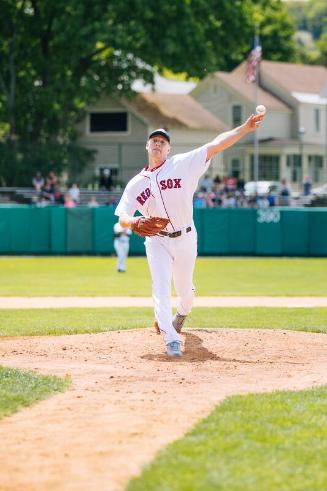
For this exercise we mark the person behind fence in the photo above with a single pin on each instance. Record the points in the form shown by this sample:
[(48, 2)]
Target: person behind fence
[(284, 193), (121, 245)]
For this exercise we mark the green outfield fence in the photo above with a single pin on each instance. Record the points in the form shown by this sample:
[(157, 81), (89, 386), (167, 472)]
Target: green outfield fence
[(263, 232)]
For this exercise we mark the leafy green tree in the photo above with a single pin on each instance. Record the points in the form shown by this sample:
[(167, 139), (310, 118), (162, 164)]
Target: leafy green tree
[(58, 56), (276, 28), (316, 12), (322, 46)]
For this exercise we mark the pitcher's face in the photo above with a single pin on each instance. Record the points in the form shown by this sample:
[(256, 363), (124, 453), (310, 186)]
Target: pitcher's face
[(158, 149)]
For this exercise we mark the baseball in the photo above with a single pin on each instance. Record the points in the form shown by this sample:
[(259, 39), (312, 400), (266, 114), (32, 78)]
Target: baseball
[(260, 109)]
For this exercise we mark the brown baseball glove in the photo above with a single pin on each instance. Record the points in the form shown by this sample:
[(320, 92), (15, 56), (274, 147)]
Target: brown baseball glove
[(146, 227)]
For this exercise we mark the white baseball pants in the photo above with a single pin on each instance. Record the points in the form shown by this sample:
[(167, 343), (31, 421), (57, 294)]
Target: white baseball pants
[(171, 258), (121, 248)]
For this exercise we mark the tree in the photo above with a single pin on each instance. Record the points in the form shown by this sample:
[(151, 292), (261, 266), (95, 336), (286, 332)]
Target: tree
[(58, 56), (276, 28)]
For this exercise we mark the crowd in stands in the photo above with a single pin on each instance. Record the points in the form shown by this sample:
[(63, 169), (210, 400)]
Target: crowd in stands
[(229, 192), (226, 192), (49, 192)]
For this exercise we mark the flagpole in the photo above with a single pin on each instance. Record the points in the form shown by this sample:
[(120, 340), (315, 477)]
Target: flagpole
[(256, 141)]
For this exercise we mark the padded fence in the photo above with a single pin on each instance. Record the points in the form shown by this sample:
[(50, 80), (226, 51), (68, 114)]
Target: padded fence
[(82, 230)]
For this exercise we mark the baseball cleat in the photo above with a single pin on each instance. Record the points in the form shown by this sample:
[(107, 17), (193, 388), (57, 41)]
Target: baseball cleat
[(178, 321), (174, 349), (156, 326)]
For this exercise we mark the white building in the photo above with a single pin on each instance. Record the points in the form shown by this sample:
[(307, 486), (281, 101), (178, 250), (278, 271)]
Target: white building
[(292, 139)]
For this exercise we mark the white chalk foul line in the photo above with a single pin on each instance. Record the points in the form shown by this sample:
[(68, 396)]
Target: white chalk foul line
[(97, 302)]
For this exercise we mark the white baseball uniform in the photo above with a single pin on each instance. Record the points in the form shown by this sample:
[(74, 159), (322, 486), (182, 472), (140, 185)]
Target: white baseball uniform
[(167, 191), (121, 245)]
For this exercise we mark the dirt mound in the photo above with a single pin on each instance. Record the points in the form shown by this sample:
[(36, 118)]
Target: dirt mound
[(128, 399)]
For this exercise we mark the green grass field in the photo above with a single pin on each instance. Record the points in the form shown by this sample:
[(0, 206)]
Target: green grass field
[(43, 322), (97, 276), (271, 442), (266, 442), (19, 389)]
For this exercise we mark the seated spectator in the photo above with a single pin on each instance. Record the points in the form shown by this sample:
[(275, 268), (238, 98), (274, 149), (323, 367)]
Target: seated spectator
[(252, 200), (74, 192), (262, 201), (199, 200), (93, 202), (38, 182), (68, 201), (53, 179), (229, 201), (210, 198), (230, 184), (241, 201), (48, 191), (111, 202), (58, 196)]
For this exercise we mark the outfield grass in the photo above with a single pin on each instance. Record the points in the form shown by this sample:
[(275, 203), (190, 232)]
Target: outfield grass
[(34, 322), (20, 389), (269, 442), (97, 276)]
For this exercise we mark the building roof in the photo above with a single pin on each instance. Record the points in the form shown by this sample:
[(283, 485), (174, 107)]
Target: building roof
[(164, 85), (236, 80), (175, 111), (295, 77)]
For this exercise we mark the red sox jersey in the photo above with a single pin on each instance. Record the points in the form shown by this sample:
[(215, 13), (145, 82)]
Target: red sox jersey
[(167, 190)]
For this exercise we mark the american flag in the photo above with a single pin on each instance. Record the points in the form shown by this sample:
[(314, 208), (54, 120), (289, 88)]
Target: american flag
[(253, 61)]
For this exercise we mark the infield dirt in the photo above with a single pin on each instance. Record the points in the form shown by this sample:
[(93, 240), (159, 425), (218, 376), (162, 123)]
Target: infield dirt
[(128, 400)]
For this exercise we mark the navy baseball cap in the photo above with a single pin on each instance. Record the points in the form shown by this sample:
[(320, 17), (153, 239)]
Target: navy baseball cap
[(161, 132)]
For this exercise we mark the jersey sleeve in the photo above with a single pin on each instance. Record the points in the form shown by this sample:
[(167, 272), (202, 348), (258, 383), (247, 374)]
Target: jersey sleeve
[(195, 162), (126, 203)]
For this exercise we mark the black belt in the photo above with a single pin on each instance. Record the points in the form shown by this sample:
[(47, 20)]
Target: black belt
[(173, 235)]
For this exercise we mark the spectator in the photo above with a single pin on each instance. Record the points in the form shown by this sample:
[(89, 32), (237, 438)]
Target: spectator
[(111, 202), (284, 193), (48, 191), (271, 199), (307, 184), (240, 184), (199, 200), (218, 184), (210, 198), (229, 201), (74, 192), (53, 179), (93, 202), (106, 180), (262, 201), (68, 201), (230, 184), (38, 182), (58, 196), (206, 184)]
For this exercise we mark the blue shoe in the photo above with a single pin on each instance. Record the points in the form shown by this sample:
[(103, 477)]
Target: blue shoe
[(174, 349)]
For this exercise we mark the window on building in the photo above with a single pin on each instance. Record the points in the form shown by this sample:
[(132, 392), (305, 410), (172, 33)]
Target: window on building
[(294, 167), (316, 167), (235, 168), (317, 120), (268, 168), (237, 115), (110, 122)]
